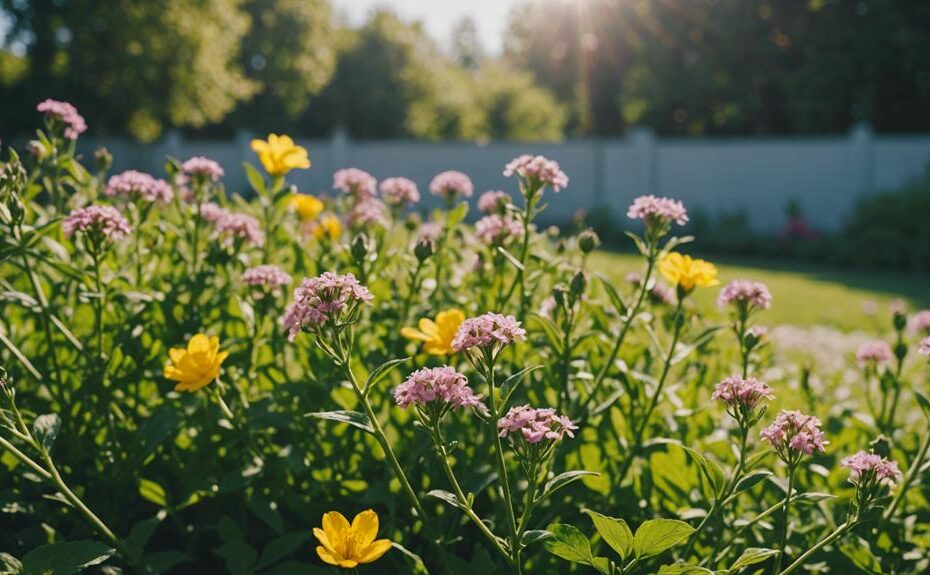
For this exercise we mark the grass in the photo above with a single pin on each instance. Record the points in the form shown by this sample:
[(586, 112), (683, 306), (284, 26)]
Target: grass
[(802, 294)]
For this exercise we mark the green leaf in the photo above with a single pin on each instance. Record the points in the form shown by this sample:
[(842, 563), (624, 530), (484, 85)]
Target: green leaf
[(446, 496), (709, 469), (281, 547), (8, 343), (267, 512), (65, 558), (162, 561), (510, 384), (751, 556), (683, 569), (10, 564), (359, 420), (534, 536), (151, 491), (923, 402), (457, 215), (615, 298), (750, 480), (615, 532), (238, 555), (45, 429), (380, 372), (658, 535), (514, 261), (570, 544), (256, 180), (563, 479)]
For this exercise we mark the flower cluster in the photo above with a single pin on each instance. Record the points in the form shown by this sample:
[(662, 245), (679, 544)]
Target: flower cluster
[(429, 231), (874, 353), (535, 425), (355, 182), (134, 184), (203, 167), (450, 185), (661, 210), (869, 468), (687, 273), (442, 386), (103, 220), (400, 192), (212, 212), (323, 299), (537, 171), (496, 230), (487, 330), (793, 434), (920, 323), (65, 113), (234, 226), (369, 211), (743, 397), (267, 278), (925, 346), (745, 293), (494, 202)]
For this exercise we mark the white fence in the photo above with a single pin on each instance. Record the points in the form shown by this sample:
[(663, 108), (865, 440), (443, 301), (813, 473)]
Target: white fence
[(757, 175)]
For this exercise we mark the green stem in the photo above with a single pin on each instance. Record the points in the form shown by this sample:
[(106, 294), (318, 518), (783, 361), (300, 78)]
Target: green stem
[(909, 478), (837, 534), (783, 539)]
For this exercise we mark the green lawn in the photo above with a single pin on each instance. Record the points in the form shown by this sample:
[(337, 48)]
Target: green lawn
[(802, 294)]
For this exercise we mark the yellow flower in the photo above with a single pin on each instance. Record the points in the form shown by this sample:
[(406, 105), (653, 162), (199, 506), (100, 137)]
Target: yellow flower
[(196, 366), (329, 226), (347, 545), (436, 335), (688, 273), (280, 154), (306, 206)]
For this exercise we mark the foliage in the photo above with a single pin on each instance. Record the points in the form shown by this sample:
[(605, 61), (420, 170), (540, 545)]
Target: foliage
[(289, 406)]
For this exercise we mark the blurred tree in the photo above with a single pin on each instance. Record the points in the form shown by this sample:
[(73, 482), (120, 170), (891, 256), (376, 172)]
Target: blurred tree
[(133, 64), (467, 50), (515, 108), (290, 54)]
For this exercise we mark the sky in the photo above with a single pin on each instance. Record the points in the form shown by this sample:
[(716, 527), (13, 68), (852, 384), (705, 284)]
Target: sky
[(439, 16)]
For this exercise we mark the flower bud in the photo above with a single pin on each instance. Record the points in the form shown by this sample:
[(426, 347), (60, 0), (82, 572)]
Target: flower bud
[(360, 247), (423, 249), (36, 149), (588, 241), (559, 294), (900, 351), (881, 446), (103, 159), (579, 285), (413, 221)]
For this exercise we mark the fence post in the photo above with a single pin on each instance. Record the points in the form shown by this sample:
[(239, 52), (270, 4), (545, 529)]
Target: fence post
[(862, 158)]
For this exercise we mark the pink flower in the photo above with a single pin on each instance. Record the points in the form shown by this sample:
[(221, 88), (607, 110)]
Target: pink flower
[(875, 352), (742, 393), (535, 425), (925, 346), (920, 323), (746, 292), (795, 432), (866, 468), (325, 298), (430, 231), (267, 278), (368, 211), (537, 171), (438, 385), (105, 220), (240, 226), (212, 212), (355, 182), (486, 330), (494, 202), (399, 192), (204, 167), (133, 184), (495, 230), (663, 210), (450, 185), (65, 113)]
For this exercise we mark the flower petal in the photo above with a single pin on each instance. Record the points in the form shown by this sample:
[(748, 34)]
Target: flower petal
[(414, 334), (365, 528), (374, 551)]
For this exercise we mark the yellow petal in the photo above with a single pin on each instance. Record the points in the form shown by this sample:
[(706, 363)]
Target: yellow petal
[(336, 526), (326, 556), (365, 528), (200, 343), (429, 327), (414, 334), (176, 354), (374, 551), (259, 146)]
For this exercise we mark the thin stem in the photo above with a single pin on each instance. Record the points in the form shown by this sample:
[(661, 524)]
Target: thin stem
[(460, 494), (25, 459), (909, 478), (618, 343), (838, 533), (783, 539)]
